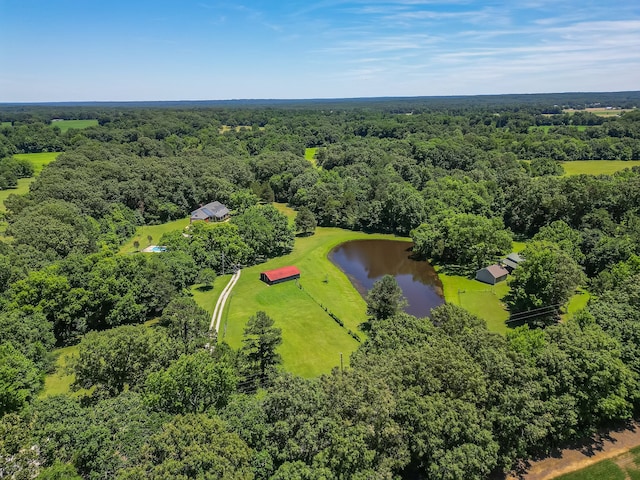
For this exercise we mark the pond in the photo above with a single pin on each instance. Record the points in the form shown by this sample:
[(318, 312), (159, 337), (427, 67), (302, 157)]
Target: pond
[(366, 261)]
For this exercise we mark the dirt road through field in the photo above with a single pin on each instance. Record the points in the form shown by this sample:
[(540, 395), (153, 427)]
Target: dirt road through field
[(604, 446)]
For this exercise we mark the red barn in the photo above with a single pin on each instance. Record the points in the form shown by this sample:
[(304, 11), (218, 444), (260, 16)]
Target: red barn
[(280, 275)]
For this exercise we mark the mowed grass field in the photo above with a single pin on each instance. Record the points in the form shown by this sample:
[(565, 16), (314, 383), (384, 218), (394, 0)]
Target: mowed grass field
[(312, 340), (38, 160), (65, 125), (597, 167), (481, 299)]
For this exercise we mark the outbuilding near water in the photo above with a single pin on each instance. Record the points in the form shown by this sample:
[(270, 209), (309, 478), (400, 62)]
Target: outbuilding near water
[(280, 275)]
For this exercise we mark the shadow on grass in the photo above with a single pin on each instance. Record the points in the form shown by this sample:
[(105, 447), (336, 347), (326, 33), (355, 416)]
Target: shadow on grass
[(204, 288)]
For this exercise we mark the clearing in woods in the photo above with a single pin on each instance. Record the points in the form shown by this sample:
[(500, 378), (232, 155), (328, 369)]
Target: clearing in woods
[(65, 125), (597, 167)]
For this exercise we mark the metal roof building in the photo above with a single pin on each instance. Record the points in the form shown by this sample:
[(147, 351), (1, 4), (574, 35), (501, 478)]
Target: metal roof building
[(280, 275)]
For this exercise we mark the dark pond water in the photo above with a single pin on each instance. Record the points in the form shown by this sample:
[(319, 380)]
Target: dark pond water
[(365, 261)]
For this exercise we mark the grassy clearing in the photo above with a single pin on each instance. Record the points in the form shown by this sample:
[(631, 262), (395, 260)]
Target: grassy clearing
[(597, 167), (38, 160), (546, 128), (286, 210), (313, 341), (310, 154), (59, 382), (65, 125), (576, 303), (485, 301), (155, 232), (21, 189), (207, 298), (5, 124)]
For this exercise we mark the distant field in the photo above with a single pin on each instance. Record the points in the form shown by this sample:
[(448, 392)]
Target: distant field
[(65, 125), (597, 167), (603, 112), (576, 303), (5, 124), (546, 128), (155, 232), (227, 128)]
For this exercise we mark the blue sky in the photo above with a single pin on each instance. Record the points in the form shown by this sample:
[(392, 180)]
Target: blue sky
[(71, 50)]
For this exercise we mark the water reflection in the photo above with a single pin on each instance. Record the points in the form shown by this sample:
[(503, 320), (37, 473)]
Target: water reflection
[(366, 261)]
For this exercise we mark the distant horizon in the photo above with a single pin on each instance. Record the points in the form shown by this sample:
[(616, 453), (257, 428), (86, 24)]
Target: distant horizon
[(316, 99), (145, 50)]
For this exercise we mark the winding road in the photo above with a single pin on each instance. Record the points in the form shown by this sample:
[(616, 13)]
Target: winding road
[(222, 300)]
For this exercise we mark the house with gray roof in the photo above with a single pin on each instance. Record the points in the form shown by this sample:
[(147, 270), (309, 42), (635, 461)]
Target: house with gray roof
[(512, 261), (492, 274), (211, 212)]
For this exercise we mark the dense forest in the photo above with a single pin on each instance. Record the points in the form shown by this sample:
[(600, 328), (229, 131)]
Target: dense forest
[(438, 398)]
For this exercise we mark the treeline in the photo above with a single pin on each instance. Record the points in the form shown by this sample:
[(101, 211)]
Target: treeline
[(423, 398)]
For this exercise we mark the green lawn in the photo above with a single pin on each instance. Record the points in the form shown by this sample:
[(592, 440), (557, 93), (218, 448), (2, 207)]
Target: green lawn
[(38, 160), (312, 340), (59, 382), (479, 298), (207, 298), (597, 167), (65, 125), (155, 232)]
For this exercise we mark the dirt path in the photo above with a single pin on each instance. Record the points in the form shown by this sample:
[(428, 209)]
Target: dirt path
[(222, 300), (603, 446)]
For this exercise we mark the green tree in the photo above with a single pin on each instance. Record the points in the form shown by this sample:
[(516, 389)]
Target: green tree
[(565, 237), (187, 323), (385, 299), (193, 446), (547, 277), (192, 384), (19, 379), (122, 356), (259, 343), (305, 221), (207, 276)]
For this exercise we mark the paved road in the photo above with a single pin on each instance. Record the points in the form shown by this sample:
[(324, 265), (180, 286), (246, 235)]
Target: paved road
[(222, 300)]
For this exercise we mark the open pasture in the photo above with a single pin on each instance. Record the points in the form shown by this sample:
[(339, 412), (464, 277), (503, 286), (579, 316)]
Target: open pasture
[(65, 125), (597, 167), (600, 111)]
